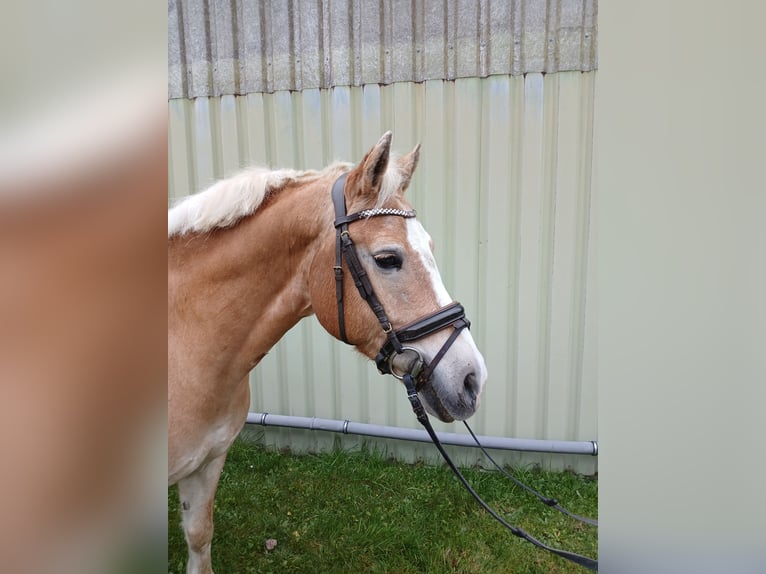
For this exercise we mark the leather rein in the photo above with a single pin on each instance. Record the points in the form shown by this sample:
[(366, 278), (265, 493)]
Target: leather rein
[(419, 372)]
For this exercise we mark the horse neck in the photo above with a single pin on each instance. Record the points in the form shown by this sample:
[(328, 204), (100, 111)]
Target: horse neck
[(235, 292)]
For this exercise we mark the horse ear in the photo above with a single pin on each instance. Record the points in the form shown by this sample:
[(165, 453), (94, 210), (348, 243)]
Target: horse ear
[(407, 165), (369, 173)]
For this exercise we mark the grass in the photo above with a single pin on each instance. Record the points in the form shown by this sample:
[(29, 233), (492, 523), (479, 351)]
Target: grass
[(358, 512)]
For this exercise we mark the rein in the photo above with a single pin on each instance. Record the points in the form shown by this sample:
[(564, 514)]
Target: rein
[(418, 372), (422, 417)]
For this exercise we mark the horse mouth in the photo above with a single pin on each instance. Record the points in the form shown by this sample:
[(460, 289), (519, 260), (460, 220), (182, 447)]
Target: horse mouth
[(434, 404)]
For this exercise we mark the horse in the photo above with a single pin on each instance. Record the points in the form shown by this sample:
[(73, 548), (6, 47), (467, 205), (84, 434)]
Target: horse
[(252, 255)]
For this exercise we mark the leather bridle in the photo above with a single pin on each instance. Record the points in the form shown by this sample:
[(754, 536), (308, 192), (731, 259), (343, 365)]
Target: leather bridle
[(452, 315), (419, 372)]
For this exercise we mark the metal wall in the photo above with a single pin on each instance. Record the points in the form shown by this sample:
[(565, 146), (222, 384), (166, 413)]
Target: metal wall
[(221, 47), (504, 189)]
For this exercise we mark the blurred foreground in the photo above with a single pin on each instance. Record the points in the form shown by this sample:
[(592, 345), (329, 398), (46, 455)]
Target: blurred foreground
[(83, 158)]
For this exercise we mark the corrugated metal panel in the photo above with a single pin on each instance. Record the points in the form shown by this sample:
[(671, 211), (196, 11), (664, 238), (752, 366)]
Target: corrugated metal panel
[(224, 47), (504, 189)]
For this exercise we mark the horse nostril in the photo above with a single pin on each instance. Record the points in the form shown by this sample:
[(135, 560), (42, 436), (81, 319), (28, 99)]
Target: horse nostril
[(470, 385)]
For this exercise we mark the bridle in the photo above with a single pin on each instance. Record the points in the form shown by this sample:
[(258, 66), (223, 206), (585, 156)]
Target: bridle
[(419, 372), (452, 315)]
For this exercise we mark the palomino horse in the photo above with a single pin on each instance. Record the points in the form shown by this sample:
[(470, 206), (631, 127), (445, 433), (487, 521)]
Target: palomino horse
[(251, 256)]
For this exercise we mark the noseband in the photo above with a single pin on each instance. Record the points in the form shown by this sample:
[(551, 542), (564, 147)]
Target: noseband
[(396, 339)]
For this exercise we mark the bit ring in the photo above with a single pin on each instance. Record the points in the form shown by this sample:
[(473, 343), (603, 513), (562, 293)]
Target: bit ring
[(417, 363)]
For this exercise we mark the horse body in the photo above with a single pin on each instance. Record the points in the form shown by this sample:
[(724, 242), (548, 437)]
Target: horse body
[(232, 294), (240, 278)]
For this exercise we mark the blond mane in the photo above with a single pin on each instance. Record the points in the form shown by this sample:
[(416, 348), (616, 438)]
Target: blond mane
[(227, 201)]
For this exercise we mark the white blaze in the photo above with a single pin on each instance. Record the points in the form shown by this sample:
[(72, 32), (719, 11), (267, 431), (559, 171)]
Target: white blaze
[(420, 240)]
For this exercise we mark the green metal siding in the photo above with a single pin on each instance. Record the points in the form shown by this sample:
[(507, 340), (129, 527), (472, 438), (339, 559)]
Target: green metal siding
[(504, 189)]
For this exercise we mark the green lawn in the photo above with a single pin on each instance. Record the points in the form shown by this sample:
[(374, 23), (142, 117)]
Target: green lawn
[(358, 512)]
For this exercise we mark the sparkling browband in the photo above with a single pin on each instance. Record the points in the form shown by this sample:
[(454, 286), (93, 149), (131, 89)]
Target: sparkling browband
[(365, 213)]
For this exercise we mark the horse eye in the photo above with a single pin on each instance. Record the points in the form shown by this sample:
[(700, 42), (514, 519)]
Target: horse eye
[(389, 261)]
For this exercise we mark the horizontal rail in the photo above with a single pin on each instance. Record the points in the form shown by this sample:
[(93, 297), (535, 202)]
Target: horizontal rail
[(399, 433)]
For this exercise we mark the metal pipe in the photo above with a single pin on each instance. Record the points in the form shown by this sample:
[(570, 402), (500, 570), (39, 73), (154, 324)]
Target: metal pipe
[(380, 431)]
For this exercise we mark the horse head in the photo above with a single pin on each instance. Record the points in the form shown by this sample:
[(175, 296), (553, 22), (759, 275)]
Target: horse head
[(396, 254)]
